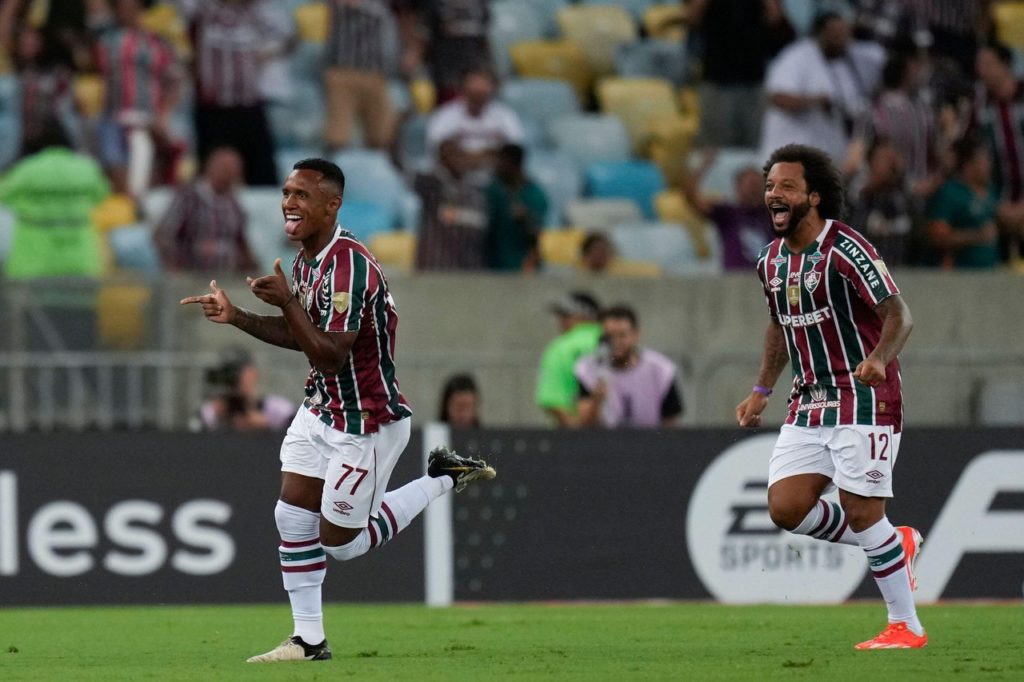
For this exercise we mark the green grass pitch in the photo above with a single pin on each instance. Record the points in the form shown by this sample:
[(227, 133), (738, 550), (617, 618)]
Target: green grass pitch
[(522, 642)]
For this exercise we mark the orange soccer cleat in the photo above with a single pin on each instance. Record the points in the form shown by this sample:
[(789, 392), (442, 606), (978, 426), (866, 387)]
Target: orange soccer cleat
[(895, 636), (912, 542)]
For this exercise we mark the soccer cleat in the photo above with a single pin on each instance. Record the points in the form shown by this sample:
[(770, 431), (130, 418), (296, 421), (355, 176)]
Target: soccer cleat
[(895, 636), (462, 470), (912, 541), (294, 649)]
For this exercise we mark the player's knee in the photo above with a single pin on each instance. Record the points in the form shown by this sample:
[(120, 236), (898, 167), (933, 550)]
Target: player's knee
[(350, 550), (786, 517), (295, 524)]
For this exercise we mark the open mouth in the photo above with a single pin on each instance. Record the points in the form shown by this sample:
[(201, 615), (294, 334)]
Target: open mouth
[(292, 221), (780, 214)]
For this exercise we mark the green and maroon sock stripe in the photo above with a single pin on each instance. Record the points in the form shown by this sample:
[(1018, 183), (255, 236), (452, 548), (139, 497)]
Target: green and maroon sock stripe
[(887, 558), (391, 518), (838, 520), (824, 519), (302, 557), (839, 533)]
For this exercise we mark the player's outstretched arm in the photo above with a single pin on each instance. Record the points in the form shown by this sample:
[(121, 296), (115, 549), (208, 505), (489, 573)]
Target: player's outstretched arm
[(773, 360), (896, 327), (218, 308), (328, 352)]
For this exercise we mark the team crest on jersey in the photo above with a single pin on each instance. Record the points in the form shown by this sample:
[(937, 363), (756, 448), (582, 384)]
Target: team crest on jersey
[(818, 393), (811, 279), (793, 293), (340, 301)]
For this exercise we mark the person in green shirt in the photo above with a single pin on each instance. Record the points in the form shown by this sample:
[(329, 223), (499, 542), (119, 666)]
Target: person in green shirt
[(557, 388), (516, 207), (963, 213), (52, 194)]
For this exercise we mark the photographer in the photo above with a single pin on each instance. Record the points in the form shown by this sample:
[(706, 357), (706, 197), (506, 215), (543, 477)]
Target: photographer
[(236, 404)]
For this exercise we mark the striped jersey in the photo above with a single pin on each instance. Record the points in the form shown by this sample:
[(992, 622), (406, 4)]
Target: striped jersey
[(137, 67), (1001, 125), (824, 299), (344, 290), (363, 35)]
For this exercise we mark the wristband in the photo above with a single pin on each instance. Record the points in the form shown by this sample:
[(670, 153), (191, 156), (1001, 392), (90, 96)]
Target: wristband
[(762, 390)]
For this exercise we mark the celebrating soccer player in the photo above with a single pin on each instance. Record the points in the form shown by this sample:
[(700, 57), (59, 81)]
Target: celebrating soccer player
[(837, 315), (354, 423)]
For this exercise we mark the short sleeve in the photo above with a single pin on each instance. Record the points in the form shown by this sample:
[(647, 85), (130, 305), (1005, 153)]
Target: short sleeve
[(346, 292), (859, 263), (555, 373)]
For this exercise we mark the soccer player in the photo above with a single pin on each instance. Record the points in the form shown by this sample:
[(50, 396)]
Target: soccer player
[(346, 438), (837, 315)]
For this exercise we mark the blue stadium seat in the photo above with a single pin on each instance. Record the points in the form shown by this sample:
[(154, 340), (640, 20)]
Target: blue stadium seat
[(667, 244), (601, 214), (155, 204), (558, 176), (413, 151), (10, 120), (371, 177), (265, 226), (541, 99), (634, 7), (401, 99), (589, 138), (636, 180), (306, 61), (800, 13), (6, 233), (364, 219), (512, 22), (298, 121), (547, 11), (720, 179), (652, 59), (133, 249)]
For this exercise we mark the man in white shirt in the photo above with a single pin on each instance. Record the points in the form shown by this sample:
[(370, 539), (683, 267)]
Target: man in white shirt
[(479, 123), (820, 89)]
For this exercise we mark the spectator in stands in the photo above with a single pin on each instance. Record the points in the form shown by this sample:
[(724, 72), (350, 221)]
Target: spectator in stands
[(962, 229), (454, 215), (52, 193), (596, 253), (460, 402), (205, 227), (730, 89), (884, 207), (516, 207), (231, 41), (744, 225), (905, 115), (453, 38), (141, 78), (820, 90), (624, 385), (557, 388), (362, 50), (479, 123), (44, 82), (237, 403)]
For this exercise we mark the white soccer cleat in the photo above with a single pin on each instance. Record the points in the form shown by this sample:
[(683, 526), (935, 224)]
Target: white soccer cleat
[(294, 649)]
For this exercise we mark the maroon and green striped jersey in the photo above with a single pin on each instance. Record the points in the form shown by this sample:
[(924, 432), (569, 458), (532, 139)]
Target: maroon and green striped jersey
[(344, 290), (824, 298)]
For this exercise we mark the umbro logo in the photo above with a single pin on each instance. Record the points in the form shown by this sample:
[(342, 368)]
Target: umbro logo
[(775, 281), (344, 507), (875, 475)]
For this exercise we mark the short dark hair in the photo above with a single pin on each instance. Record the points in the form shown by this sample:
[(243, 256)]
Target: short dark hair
[(457, 383), (820, 174), (593, 238), (478, 70), (620, 311), (966, 148), (895, 70), (512, 153), (330, 170), (822, 19), (1002, 52)]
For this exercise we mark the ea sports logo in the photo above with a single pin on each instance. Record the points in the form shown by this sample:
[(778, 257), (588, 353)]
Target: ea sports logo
[(739, 554)]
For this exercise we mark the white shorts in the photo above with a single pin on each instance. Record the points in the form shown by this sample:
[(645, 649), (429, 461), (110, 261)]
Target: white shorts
[(355, 469), (857, 458)]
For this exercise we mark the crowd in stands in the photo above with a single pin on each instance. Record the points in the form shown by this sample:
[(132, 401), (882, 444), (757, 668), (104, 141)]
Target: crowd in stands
[(542, 136)]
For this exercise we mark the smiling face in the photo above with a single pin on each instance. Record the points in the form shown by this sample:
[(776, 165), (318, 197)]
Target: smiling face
[(787, 199), (310, 207)]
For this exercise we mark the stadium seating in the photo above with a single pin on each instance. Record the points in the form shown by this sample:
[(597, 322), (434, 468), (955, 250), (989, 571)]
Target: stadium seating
[(801, 14), (120, 314), (719, 180), (311, 21), (1009, 19), (423, 93), (365, 219), (287, 157), (10, 120), (401, 98), (639, 102), (558, 176), (651, 59), (371, 177), (602, 214), (306, 61), (589, 138), (413, 152), (547, 11), (512, 21), (559, 59), (672, 207), (265, 227), (636, 180), (395, 250), (664, 21), (6, 233), (669, 146), (634, 268), (540, 99), (561, 247), (133, 249), (668, 245), (597, 30), (636, 8), (117, 210), (298, 121)]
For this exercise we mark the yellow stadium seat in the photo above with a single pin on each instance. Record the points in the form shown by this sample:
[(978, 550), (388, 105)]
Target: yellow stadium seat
[(640, 103), (114, 211), (395, 249), (672, 207), (121, 318), (164, 20), (561, 247), (1009, 17), (89, 91), (665, 22), (634, 268), (423, 94), (557, 59), (669, 146), (312, 21), (597, 30)]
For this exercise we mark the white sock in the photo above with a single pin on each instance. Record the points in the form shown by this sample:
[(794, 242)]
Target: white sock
[(882, 544), (827, 521), (303, 567)]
